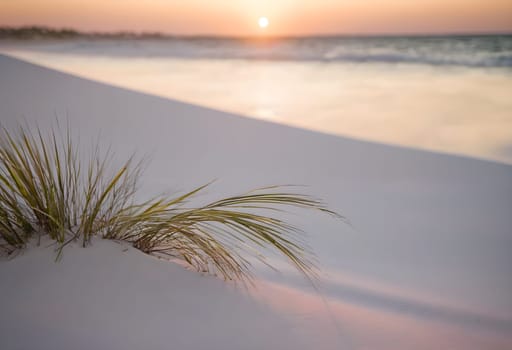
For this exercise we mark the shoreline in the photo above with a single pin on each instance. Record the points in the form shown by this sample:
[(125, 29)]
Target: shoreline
[(434, 127)]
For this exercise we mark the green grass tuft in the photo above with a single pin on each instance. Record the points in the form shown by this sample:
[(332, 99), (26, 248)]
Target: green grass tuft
[(46, 188)]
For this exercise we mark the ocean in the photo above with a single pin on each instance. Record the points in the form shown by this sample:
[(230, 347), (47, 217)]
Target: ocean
[(449, 94)]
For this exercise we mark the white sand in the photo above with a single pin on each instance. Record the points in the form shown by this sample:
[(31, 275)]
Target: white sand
[(427, 264)]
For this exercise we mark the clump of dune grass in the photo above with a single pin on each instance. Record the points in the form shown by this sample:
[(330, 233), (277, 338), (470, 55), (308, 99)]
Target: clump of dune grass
[(47, 188)]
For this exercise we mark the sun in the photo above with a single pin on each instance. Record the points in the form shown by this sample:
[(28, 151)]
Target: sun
[(263, 22)]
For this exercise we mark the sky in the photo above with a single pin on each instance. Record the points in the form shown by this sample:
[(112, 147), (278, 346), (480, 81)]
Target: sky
[(286, 17)]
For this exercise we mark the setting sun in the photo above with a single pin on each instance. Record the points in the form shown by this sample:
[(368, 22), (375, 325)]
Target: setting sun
[(263, 22)]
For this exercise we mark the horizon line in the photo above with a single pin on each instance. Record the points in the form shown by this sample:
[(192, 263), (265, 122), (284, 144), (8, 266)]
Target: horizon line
[(69, 32)]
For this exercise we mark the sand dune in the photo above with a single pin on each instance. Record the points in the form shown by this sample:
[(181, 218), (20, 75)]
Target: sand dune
[(425, 264)]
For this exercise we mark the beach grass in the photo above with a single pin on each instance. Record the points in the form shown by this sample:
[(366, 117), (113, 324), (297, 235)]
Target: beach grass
[(48, 187)]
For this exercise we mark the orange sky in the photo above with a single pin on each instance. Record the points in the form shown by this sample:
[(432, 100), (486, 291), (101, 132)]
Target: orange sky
[(287, 17)]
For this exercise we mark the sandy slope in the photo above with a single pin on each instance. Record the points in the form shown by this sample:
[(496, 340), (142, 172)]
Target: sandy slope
[(426, 264), (114, 297)]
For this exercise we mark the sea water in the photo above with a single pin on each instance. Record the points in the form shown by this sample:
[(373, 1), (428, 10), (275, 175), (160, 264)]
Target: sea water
[(450, 94)]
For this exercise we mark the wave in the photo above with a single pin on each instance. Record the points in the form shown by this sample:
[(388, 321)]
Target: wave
[(480, 51)]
